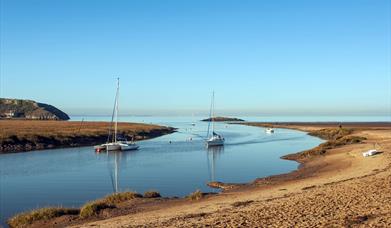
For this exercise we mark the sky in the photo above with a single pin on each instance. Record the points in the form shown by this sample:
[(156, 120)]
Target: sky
[(260, 57)]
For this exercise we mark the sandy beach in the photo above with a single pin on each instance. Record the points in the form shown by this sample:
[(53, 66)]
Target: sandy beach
[(339, 188)]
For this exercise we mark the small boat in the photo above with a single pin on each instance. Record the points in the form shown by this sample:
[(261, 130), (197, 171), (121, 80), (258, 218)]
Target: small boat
[(215, 139), (370, 153), (269, 130), (116, 143)]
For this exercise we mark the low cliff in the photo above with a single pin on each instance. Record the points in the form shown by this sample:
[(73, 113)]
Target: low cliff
[(28, 109)]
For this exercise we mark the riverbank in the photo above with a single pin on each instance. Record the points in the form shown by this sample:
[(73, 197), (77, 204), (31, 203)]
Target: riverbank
[(27, 135), (338, 187)]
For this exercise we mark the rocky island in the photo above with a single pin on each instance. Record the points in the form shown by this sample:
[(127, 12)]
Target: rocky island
[(28, 109), (222, 119)]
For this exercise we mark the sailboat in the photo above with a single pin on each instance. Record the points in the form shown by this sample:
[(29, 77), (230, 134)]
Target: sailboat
[(215, 139), (193, 123), (115, 143)]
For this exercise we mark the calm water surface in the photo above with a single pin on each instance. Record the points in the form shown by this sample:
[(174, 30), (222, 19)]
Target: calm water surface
[(70, 177)]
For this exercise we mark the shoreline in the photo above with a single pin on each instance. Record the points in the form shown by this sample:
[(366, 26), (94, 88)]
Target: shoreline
[(335, 167), (20, 136)]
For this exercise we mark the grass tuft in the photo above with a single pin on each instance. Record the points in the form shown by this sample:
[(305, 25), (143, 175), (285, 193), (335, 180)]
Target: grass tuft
[(195, 195), (42, 214), (121, 197), (93, 208), (152, 194)]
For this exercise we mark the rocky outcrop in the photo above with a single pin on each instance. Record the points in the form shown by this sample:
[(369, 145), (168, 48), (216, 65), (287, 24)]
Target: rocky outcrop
[(28, 109), (222, 119)]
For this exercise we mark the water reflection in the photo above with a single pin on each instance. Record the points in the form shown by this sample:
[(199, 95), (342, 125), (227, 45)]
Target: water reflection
[(213, 153), (114, 159)]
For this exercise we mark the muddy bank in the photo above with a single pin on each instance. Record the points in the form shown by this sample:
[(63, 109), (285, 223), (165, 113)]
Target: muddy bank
[(27, 135)]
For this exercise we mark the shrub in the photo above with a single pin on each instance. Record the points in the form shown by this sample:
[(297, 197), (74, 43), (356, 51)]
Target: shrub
[(27, 218), (93, 208), (195, 195), (121, 197), (152, 194)]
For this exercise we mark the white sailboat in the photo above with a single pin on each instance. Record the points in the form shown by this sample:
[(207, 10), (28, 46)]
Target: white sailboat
[(116, 144), (269, 130), (215, 139)]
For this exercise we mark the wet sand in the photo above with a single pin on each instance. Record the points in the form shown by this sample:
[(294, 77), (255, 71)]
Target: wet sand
[(339, 188)]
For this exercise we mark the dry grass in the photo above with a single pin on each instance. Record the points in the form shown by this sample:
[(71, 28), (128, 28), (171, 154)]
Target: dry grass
[(27, 218), (336, 137), (93, 208), (197, 195), (152, 194), (121, 197), (331, 133), (26, 135), (31, 128)]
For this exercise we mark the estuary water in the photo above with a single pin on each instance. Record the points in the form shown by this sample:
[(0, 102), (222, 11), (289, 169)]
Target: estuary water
[(175, 165)]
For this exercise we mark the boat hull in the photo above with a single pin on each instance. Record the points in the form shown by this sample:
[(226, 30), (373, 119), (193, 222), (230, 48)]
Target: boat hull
[(116, 147), (218, 142), (125, 146)]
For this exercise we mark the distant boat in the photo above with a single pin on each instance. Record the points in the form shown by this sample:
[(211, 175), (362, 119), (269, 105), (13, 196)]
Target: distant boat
[(269, 130), (116, 143), (193, 123), (215, 139)]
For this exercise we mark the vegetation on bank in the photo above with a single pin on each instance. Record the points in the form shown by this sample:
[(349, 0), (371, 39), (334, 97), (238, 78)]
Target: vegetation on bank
[(89, 209), (195, 195), (92, 208), (152, 194), (335, 137), (27, 218), (25, 135)]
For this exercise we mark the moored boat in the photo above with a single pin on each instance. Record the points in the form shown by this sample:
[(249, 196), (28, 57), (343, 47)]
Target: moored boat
[(116, 143), (215, 139), (269, 130)]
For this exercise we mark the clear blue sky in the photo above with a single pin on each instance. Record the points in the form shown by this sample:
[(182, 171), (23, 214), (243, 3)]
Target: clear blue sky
[(280, 57)]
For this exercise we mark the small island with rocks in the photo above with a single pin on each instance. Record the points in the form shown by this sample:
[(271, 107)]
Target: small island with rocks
[(222, 119)]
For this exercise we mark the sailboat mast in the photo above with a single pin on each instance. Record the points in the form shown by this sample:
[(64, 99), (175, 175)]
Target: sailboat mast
[(116, 112), (213, 111)]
